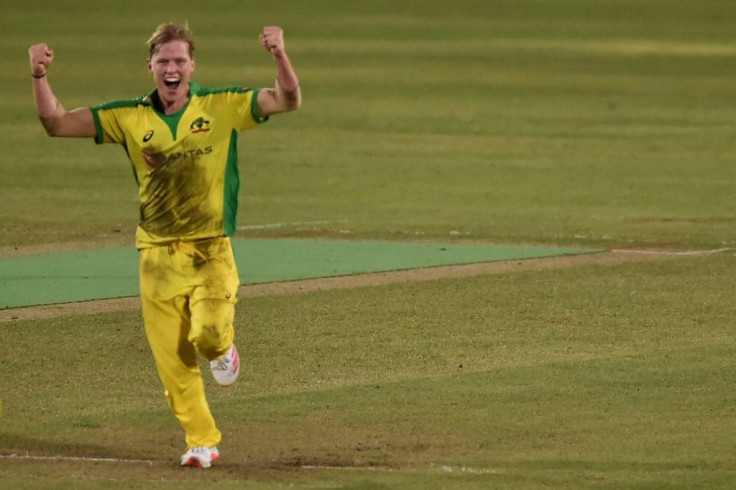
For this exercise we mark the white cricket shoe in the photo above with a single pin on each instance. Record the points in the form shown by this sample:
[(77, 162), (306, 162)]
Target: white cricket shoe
[(225, 370), (200, 457)]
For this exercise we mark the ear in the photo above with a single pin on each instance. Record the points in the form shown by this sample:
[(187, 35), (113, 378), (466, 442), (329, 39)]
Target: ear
[(148, 65), (193, 64)]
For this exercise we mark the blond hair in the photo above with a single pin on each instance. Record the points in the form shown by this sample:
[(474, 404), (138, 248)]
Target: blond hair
[(170, 32)]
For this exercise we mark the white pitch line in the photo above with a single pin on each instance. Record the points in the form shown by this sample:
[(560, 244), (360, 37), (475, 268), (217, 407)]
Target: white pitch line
[(669, 252), (441, 469), (472, 471), (269, 226), (75, 458)]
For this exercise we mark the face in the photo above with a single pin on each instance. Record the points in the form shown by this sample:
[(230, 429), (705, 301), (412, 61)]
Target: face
[(171, 67)]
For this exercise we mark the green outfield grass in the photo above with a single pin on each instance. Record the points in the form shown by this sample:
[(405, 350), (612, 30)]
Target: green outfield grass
[(554, 122), (594, 377), (551, 121)]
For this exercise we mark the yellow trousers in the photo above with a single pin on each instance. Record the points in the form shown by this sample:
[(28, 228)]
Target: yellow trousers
[(188, 295)]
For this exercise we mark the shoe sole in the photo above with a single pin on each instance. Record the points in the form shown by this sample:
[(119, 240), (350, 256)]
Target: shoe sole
[(194, 463)]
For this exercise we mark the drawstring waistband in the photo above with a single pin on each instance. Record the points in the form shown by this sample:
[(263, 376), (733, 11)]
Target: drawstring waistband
[(186, 248)]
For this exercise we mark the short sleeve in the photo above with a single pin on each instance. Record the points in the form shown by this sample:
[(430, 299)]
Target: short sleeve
[(107, 125), (245, 102)]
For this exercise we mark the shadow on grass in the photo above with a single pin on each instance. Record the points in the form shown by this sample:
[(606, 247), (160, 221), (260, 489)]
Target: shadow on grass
[(108, 461)]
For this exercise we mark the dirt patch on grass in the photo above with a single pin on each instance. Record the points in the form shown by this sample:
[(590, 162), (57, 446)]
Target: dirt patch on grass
[(354, 281)]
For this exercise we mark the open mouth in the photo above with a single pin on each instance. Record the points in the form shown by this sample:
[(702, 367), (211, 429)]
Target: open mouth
[(172, 82)]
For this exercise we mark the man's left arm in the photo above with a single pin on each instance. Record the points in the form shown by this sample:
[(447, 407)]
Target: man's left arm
[(286, 95)]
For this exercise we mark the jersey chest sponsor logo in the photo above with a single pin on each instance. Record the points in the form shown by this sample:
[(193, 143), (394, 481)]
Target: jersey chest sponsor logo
[(199, 125), (197, 152), (155, 160)]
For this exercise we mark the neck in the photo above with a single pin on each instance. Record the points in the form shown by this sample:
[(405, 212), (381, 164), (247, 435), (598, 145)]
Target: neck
[(170, 106)]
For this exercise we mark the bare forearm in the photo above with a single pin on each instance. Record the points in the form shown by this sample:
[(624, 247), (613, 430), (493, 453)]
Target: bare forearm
[(55, 119), (46, 102), (287, 83), (48, 107), (41, 57), (285, 73), (286, 95)]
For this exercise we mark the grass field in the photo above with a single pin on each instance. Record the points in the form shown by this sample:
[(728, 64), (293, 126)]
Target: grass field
[(561, 122)]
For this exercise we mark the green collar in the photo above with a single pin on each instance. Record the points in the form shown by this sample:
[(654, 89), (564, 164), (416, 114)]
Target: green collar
[(151, 99)]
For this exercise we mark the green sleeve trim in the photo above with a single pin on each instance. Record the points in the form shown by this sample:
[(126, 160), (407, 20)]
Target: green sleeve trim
[(99, 138), (254, 108), (113, 104)]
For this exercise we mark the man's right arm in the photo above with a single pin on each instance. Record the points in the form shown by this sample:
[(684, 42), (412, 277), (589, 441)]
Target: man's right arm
[(55, 119)]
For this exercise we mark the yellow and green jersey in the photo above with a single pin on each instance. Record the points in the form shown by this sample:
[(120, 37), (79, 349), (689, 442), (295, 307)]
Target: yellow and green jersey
[(190, 191)]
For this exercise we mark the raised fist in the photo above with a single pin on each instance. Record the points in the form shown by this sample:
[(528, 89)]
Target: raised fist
[(41, 57), (272, 38)]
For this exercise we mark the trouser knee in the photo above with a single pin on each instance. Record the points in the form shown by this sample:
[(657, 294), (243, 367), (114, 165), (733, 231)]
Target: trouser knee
[(212, 329)]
